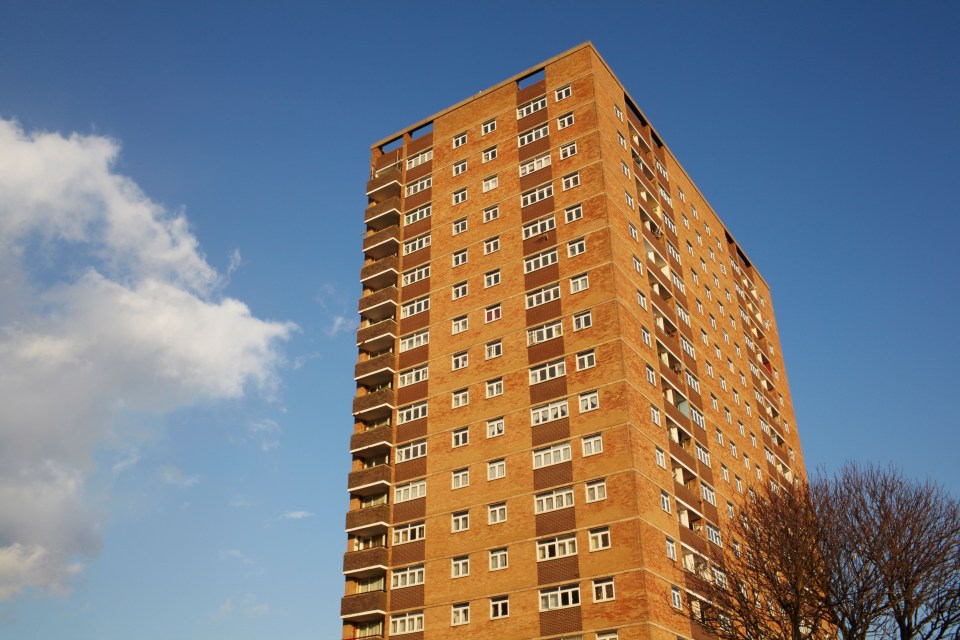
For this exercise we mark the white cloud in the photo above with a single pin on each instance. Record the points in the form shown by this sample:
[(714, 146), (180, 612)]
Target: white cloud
[(234, 554), (176, 477), (296, 515), (238, 502), (341, 324), (109, 310)]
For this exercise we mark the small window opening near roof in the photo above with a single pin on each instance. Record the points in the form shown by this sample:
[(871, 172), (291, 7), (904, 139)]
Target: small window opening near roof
[(531, 79), (396, 143), (421, 131)]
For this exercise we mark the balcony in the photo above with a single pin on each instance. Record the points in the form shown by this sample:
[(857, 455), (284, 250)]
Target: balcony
[(373, 406), (379, 305), (385, 185), (373, 441), (383, 214), (367, 482), (364, 606), (377, 336), (364, 522), (376, 370), (365, 563), (381, 273), (680, 452), (382, 243)]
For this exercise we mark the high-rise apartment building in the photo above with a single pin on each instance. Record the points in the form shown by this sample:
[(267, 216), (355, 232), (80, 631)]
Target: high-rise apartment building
[(569, 373)]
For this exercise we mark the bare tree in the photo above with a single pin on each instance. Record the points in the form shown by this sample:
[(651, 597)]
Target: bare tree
[(892, 552), (771, 581)]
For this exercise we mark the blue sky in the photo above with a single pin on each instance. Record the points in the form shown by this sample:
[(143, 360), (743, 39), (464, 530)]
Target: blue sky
[(186, 475)]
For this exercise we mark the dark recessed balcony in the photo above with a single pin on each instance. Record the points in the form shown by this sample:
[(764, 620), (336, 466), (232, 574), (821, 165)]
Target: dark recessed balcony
[(365, 563), (383, 214), (383, 243), (369, 521), (381, 273), (373, 441), (373, 406), (385, 185), (376, 370), (367, 482), (377, 336), (364, 606), (379, 304)]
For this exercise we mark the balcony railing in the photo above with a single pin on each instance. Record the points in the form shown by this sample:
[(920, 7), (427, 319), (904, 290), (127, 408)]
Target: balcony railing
[(385, 186), (378, 335), (381, 273), (376, 370), (375, 440), (379, 305), (382, 243), (369, 520), (364, 562), (364, 606), (372, 406), (366, 482), (383, 214)]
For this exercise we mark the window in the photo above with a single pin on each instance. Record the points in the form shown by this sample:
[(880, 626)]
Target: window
[(411, 451), (651, 375), (496, 469), (491, 244), (542, 296), (633, 232), (420, 158), (489, 184), (540, 260), (607, 635), (460, 196), (415, 275), (461, 437), (592, 445), (460, 614), (713, 535), (641, 299), (579, 283), (460, 139), (589, 401), (661, 458), (725, 472), (491, 314), (618, 113), (459, 360), (459, 257), (553, 500), (624, 168), (671, 549), (407, 577), (460, 566), (412, 376), (459, 325), (708, 494), (498, 559), (596, 490), (495, 427), (411, 412), (494, 387), (493, 349), (562, 92), (654, 415), (645, 334), (543, 333), (460, 398), (570, 181), (535, 164), (459, 167), (603, 589), (554, 454), (586, 360), (420, 185), (621, 140), (533, 135), (460, 478), (460, 521), (665, 501), (576, 247), (565, 121), (499, 607), (531, 107), (539, 227), (491, 213), (415, 244), (599, 539), (582, 320), (488, 127), (403, 534), (629, 199), (406, 623), (497, 513), (490, 154), (548, 371), (573, 213), (548, 412), (417, 214), (567, 150), (557, 547), (676, 599), (410, 491)]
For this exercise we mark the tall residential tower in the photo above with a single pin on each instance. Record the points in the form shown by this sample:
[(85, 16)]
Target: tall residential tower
[(569, 373)]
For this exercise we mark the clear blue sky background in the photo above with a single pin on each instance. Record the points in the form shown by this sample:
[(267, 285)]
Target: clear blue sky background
[(826, 136)]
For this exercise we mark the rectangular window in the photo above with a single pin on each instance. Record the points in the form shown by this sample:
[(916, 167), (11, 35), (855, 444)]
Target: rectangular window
[(493, 349), (411, 412), (410, 491), (651, 375), (459, 167), (661, 458), (459, 257), (460, 196), (415, 340), (460, 566), (491, 245), (542, 296), (461, 437), (562, 92), (490, 154), (596, 490), (420, 185), (415, 244), (570, 181), (406, 623), (489, 184), (496, 469), (491, 213), (459, 360), (460, 478), (592, 445), (539, 227), (565, 121), (540, 260), (499, 607), (492, 314), (641, 299), (460, 139), (671, 549), (665, 501), (497, 513), (535, 164), (495, 427), (459, 290), (417, 214), (544, 332), (459, 325), (582, 320), (548, 371), (533, 135), (579, 283), (494, 387), (553, 500), (629, 199), (412, 376), (459, 521), (573, 213), (420, 158), (536, 195), (553, 548), (599, 539), (460, 614), (560, 597), (488, 127), (498, 559), (548, 412), (411, 451), (554, 454), (576, 247), (416, 275), (586, 360), (567, 150), (532, 107), (402, 534), (603, 590), (460, 398), (589, 401), (676, 599)]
